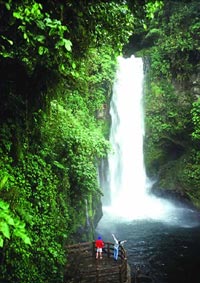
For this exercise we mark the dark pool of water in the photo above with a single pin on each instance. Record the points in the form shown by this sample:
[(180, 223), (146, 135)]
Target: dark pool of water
[(168, 251)]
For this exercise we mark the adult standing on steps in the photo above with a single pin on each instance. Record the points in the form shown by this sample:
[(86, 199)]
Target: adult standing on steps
[(116, 246), (99, 244)]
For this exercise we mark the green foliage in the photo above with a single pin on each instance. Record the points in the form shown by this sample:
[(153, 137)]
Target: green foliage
[(171, 46), (160, 65), (52, 138), (188, 175), (10, 224), (39, 36), (144, 11), (152, 7), (107, 19), (196, 120), (32, 196), (77, 136), (172, 53), (167, 123), (166, 113)]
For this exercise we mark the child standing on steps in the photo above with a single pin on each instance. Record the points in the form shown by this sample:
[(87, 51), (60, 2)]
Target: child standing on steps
[(116, 246), (99, 244)]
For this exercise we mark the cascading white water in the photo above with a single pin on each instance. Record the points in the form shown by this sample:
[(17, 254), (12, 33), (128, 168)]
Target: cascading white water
[(127, 130), (127, 177)]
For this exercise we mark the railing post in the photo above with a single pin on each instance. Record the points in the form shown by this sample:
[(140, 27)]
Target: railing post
[(93, 249), (108, 249), (126, 269), (120, 274), (97, 275)]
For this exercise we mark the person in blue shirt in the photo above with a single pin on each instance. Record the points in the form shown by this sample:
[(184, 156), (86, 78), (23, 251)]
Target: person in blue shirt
[(116, 246)]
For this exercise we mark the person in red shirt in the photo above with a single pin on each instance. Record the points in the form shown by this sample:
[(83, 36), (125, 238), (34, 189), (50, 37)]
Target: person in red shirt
[(99, 244)]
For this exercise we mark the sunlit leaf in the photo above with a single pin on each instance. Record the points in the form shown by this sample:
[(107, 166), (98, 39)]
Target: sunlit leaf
[(4, 228)]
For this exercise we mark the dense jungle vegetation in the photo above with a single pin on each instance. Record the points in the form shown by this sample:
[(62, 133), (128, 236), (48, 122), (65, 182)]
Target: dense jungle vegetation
[(57, 66), (172, 105)]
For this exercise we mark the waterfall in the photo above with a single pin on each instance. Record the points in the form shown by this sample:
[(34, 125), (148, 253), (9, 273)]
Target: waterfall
[(128, 183), (126, 136)]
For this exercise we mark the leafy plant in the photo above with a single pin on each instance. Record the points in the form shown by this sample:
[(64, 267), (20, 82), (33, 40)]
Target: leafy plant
[(196, 119)]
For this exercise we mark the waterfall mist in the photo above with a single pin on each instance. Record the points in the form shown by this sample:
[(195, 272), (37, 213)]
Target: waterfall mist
[(126, 178)]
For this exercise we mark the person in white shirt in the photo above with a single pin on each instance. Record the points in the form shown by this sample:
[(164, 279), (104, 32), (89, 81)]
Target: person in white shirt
[(116, 246)]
